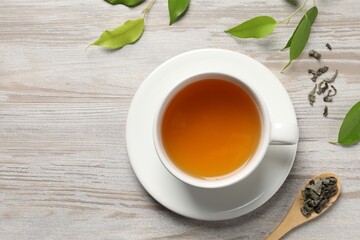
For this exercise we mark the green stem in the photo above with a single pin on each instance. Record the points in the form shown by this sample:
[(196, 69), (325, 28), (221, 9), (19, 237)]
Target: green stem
[(147, 8), (294, 13)]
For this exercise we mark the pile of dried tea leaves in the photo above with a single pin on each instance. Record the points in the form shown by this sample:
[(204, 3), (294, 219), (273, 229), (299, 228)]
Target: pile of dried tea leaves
[(325, 86), (317, 194)]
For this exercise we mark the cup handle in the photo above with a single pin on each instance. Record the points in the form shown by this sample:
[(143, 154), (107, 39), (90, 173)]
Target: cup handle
[(284, 134)]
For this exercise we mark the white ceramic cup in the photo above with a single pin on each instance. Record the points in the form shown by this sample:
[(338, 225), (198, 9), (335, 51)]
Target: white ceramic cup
[(272, 133)]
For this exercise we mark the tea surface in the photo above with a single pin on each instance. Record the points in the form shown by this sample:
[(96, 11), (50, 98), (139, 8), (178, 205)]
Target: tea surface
[(211, 128)]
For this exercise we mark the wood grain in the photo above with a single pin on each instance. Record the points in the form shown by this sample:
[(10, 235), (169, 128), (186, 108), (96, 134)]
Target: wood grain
[(64, 169)]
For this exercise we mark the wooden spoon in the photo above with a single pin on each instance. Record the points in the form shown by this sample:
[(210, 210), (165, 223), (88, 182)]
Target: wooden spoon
[(294, 216)]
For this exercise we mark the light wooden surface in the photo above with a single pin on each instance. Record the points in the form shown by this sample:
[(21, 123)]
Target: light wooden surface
[(64, 169)]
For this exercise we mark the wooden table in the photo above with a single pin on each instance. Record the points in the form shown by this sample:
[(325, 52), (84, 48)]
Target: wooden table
[(64, 169)]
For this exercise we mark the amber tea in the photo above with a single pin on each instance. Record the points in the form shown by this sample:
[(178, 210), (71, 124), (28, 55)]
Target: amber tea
[(211, 128)]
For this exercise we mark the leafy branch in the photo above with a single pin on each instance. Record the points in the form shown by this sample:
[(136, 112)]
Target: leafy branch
[(257, 27), (263, 26), (132, 30)]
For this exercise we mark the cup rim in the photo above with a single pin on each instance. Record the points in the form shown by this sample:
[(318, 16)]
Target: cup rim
[(236, 175)]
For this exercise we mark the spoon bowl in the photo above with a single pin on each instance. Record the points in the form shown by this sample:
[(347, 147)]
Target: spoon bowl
[(295, 218)]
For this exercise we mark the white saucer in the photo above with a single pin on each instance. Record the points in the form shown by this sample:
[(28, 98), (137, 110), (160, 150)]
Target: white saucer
[(197, 203)]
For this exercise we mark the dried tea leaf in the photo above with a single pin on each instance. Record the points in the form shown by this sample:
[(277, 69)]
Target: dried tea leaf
[(126, 34), (311, 95), (328, 98), (311, 71), (328, 46), (335, 91), (318, 186), (332, 180), (321, 205), (325, 113), (311, 16), (129, 3), (322, 88), (322, 70), (314, 77), (332, 79), (177, 8), (315, 54), (257, 27), (349, 132), (305, 212)]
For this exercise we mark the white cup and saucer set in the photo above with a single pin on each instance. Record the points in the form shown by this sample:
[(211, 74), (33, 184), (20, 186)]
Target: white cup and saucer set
[(240, 192)]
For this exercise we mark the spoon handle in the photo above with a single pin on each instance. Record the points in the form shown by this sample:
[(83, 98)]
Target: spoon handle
[(291, 220), (276, 234), (280, 231)]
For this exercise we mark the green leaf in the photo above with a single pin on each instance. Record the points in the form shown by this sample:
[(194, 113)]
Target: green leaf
[(129, 3), (311, 15), (299, 41), (177, 8), (257, 27), (349, 133), (127, 33)]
